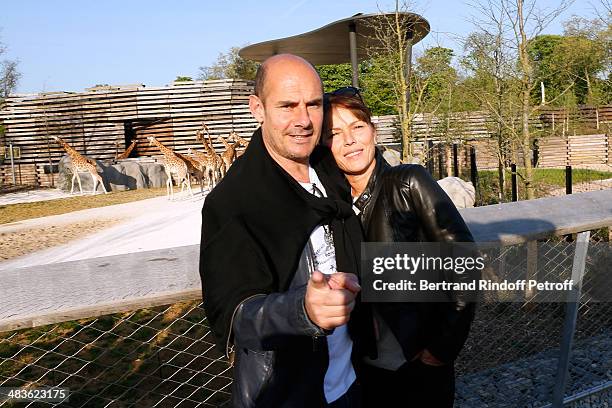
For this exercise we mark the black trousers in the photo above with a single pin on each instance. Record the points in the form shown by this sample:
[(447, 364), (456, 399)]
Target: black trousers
[(413, 385)]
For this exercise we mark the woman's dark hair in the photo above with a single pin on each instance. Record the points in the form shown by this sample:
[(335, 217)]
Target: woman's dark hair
[(353, 103)]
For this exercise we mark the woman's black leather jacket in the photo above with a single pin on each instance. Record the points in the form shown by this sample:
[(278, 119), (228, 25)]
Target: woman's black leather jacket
[(404, 204)]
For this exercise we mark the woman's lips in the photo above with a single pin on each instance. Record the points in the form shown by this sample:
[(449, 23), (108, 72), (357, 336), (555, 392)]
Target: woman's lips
[(353, 153)]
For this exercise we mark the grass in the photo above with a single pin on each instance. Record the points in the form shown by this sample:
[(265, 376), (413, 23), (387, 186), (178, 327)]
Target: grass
[(557, 176), (24, 211), (545, 180)]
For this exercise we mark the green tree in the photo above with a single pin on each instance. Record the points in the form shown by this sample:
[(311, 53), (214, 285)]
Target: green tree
[(375, 91), (490, 87), (435, 66), (229, 65), (587, 50), (573, 62), (335, 76), (391, 59), (183, 79)]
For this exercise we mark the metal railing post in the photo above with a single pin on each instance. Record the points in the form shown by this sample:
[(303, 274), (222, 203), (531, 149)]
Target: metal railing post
[(455, 160), (474, 171), (440, 161), (514, 182), (571, 314), (430, 157)]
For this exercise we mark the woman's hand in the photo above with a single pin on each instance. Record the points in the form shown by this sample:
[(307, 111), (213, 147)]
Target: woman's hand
[(427, 358)]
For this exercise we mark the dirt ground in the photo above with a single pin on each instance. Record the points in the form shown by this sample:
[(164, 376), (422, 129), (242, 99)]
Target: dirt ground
[(25, 241), (595, 185)]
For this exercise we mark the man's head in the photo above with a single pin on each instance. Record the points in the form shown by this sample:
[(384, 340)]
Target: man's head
[(288, 103)]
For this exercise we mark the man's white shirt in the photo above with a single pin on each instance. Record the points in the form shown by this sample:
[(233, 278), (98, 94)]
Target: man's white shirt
[(340, 374)]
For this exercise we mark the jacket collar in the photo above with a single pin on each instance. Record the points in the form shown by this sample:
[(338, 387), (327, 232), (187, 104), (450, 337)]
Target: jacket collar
[(381, 166)]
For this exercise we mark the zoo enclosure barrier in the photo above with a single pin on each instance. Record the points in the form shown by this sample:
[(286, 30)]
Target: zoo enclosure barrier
[(129, 330)]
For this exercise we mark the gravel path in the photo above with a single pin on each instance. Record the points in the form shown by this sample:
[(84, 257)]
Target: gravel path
[(529, 382)]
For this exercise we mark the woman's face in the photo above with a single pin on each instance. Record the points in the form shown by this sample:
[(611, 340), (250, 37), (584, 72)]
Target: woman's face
[(351, 141)]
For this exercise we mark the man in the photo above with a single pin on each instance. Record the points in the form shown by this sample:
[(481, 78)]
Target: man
[(274, 233)]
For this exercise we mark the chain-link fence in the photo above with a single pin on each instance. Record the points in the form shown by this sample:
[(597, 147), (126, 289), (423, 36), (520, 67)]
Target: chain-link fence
[(164, 356), (512, 356), (159, 357)]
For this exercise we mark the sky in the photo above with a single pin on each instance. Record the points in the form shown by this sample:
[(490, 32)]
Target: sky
[(69, 45)]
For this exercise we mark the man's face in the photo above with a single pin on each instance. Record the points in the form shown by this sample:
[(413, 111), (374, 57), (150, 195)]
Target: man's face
[(290, 111)]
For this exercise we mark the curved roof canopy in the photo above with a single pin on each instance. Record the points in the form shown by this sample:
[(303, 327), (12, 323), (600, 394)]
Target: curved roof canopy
[(330, 44)]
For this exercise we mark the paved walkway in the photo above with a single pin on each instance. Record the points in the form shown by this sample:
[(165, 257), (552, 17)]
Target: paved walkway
[(150, 224), (33, 195)]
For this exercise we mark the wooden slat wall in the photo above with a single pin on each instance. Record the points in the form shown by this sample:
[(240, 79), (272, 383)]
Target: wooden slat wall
[(575, 150), (93, 122), (24, 174)]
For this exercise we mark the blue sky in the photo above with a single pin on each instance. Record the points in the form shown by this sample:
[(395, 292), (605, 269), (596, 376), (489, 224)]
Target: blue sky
[(68, 45)]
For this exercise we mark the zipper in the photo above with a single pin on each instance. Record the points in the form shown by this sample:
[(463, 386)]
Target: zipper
[(310, 260), (227, 343)]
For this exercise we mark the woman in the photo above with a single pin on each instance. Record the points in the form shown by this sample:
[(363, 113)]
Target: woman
[(416, 342)]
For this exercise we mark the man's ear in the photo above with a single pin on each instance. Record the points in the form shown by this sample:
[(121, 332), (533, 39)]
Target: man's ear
[(257, 108)]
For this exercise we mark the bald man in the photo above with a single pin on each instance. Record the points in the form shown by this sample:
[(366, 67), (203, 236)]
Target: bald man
[(279, 253)]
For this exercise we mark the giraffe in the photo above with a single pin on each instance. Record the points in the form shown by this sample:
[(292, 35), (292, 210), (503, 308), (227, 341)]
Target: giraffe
[(127, 151), (229, 155), (80, 163), (240, 142), (206, 165), (172, 164), (194, 167), (218, 164)]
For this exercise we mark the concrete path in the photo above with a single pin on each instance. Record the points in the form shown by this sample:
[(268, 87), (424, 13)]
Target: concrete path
[(33, 195), (150, 224)]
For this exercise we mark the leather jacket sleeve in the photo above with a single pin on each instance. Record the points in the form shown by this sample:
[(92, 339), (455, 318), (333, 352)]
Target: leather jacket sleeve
[(269, 322), (439, 218)]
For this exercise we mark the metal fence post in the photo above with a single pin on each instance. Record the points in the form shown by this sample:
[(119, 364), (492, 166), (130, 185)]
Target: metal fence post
[(474, 170), (430, 157), (440, 161), (568, 179), (513, 178), (455, 160), (571, 314)]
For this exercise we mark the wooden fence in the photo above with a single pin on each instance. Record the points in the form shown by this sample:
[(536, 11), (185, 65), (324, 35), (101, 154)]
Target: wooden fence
[(102, 121), (556, 147)]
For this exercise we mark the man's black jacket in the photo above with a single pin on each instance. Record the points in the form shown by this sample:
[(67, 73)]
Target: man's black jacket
[(254, 269)]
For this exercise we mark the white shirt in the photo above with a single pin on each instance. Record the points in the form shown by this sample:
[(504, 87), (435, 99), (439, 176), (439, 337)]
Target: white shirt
[(340, 373)]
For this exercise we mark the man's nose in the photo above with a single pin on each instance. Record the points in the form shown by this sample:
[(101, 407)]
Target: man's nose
[(302, 117)]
